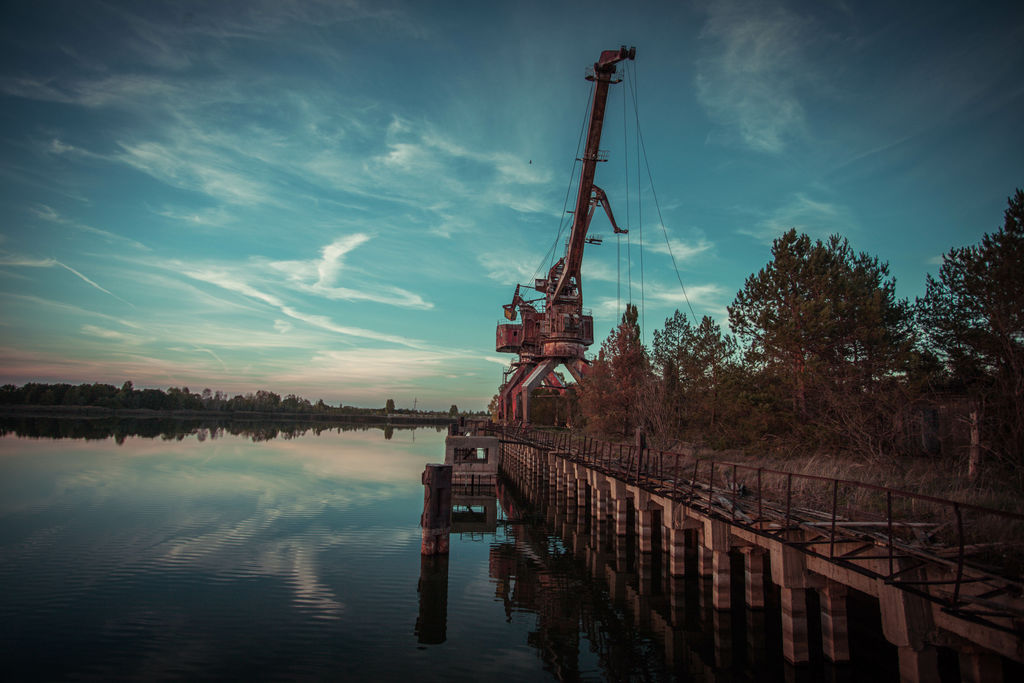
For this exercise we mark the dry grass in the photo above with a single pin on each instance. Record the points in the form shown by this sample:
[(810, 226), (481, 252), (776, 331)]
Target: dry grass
[(922, 476)]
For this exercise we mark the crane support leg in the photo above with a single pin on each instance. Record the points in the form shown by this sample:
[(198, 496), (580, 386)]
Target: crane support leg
[(531, 382), (507, 411), (578, 368)]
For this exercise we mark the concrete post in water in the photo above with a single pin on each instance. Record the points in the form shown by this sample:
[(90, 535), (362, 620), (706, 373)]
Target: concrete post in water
[(721, 593), (437, 509), (581, 486), (793, 602), (705, 559), (677, 551), (596, 502), (644, 573), (716, 540), (906, 621), (789, 573), (835, 636), (753, 564), (644, 526), (621, 515), (602, 500)]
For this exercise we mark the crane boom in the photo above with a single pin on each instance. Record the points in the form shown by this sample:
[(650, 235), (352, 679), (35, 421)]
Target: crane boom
[(604, 69), (561, 332)]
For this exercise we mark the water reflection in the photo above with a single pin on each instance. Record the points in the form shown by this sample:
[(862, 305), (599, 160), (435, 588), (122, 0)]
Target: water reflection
[(432, 622), (300, 558), (592, 619), (601, 609), (170, 428), (177, 557)]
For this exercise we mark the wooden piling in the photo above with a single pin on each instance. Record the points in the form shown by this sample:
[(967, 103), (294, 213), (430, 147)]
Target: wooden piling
[(437, 509)]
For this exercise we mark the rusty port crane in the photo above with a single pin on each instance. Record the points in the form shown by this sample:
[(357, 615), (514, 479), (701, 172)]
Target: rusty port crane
[(560, 332)]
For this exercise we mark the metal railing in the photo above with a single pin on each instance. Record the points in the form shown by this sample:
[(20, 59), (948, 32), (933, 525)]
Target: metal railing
[(967, 557)]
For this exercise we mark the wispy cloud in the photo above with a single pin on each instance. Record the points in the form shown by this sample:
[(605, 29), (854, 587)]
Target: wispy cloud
[(750, 71), (321, 277), (707, 297), (50, 214), (509, 265), (214, 217), (680, 250), (232, 282), (199, 168), (113, 335), (66, 309), (24, 262), (814, 217)]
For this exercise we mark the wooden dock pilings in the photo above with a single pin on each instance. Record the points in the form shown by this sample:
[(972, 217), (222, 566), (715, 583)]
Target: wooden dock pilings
[(912, 553), (437, 509)]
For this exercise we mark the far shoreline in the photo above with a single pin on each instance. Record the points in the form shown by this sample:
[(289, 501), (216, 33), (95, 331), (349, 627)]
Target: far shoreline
[(97, 412)]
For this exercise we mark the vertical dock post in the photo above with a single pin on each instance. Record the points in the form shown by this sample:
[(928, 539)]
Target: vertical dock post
[(789, 573), (793, 602), (754, 569), (677, 551), (644, 525), (835, 634), (437, 509), (716, 541), (906, 623), (581, 486)]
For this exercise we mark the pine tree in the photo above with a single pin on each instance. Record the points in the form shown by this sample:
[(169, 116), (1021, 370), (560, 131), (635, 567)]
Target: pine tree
[(972, 318), (612, 396), (824, 323)]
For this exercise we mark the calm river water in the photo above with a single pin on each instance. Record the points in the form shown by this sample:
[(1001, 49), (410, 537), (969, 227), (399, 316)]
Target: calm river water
[(209, 555)]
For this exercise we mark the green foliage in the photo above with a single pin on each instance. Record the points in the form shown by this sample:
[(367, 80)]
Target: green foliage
[(820, 311), (972, 318), (695, 364), (175, 399), (822, 324), (389, 407), (612, 396)]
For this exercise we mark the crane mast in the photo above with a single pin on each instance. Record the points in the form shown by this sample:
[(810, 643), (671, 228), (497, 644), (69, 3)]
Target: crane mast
[(560, 333)]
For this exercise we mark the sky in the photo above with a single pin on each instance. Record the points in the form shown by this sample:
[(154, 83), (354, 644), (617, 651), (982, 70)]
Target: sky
[(334, 199)]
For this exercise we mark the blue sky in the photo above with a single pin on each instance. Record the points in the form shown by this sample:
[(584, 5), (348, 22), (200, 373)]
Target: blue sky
[(334, 199)]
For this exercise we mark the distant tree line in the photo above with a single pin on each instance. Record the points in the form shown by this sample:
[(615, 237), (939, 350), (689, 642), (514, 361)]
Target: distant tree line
[(823, 357), (127, 397), (171, 429)]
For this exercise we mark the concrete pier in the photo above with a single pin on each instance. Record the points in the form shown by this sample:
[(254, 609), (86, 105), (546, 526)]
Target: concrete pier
[(645, 529), (705, 559), (793, 602), (753, 565), (835, 638), (621, 516), (677, 552), (628, 520)]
